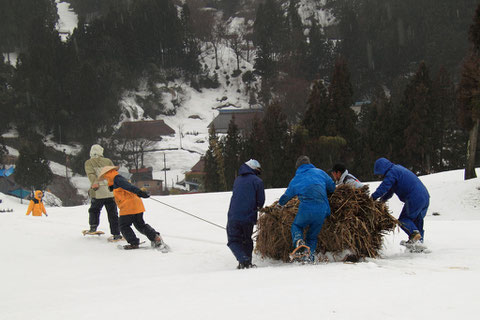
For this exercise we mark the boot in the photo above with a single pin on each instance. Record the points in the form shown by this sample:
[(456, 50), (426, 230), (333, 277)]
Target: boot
[(93, 229), (299, 243), (414, 237), (115, 238), (158, 242)]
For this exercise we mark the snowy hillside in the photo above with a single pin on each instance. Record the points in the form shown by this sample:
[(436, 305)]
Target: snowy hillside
[(50, 271), (194, 110)]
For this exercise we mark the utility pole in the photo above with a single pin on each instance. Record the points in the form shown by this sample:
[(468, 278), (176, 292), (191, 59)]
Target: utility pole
[(165, 170), (66, 163), (180, 128)]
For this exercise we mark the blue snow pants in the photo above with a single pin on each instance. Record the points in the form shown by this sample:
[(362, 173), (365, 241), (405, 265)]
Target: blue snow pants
[(304, 219), (240, 241), (412, 215)]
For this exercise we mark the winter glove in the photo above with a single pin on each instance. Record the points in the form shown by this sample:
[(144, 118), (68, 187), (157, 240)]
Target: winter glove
[(46, 215), (110, 188), (143, 194)]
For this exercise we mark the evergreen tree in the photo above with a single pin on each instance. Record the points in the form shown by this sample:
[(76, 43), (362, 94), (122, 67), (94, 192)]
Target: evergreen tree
[(32, 169), (190, 46), (295, 46), (319, 53), (448, 139), (340, 94), (469, 95), (315, 119), (6, 94), (39, 79), (418, 103), (18, 18), (3, 150), (214, 165), (253, 146), (232, 149), (268, 36), (377, 134), (275, 172)]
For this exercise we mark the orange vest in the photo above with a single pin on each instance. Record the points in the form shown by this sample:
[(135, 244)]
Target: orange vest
[(127, 202)]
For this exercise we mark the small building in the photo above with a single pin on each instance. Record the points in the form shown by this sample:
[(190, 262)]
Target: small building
[(244, 119), (143, 178), (195, 178), (151, 130), (357, 106)]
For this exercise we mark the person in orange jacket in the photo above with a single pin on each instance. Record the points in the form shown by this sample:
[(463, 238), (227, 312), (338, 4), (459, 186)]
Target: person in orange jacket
[(127, 197), (36, 206)]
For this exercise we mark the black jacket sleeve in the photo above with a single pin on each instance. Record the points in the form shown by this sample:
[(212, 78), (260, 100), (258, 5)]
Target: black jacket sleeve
[(121, 182)]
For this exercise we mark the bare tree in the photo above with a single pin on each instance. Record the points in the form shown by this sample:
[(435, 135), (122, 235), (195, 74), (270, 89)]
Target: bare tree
[(132, 150), (235, 42)]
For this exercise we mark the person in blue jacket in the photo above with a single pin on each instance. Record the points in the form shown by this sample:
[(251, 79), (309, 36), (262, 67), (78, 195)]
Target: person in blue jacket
[(312, 186), (247, 198), (409, 189)]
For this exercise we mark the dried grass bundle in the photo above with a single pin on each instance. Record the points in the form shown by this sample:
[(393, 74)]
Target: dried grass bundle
[(357, 223)]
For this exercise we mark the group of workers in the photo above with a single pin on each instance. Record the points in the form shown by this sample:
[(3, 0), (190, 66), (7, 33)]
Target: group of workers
[(311, 185)]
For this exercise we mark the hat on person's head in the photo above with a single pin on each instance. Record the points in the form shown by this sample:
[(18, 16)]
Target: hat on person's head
[(106, 169), (254, 164), (338, 167), (302, 160), (96, 151)]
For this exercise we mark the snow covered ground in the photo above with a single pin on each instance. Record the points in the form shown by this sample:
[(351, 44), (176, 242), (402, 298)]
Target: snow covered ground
[(50, 271)]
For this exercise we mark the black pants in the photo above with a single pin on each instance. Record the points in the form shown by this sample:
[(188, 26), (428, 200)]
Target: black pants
[(240, 240), (94, 213), (137, 220)]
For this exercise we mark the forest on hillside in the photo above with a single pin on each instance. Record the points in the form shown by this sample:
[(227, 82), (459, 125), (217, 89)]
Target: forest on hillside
[(413, 65)]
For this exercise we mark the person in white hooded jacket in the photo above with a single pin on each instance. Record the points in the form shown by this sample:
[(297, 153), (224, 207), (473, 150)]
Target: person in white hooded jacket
[(341, 176), (99, 193)]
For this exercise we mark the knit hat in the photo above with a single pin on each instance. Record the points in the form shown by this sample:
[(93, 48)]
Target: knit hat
[(106, 169), (254, 164), (302, 160), (96, 151)]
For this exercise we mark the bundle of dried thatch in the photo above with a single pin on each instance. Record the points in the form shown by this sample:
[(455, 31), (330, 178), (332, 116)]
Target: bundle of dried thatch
[(357, 223)]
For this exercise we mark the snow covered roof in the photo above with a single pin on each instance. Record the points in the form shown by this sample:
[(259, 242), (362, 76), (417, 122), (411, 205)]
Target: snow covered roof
[(243, 119), (145, 129)]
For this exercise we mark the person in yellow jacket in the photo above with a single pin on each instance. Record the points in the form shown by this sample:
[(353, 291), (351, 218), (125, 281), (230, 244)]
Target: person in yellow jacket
[(36, 206), (127, 197)]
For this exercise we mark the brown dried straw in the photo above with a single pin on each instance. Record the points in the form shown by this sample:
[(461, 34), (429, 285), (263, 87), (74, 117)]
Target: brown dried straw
[(357, 223)]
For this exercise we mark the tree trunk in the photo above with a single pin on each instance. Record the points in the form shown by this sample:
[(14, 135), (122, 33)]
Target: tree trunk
[(471, 150)]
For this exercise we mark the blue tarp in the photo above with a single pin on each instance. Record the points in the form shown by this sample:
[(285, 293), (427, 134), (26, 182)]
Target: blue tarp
[(6, 172), (20, 193)]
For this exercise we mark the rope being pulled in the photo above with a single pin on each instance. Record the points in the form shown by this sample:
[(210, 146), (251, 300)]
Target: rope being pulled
[(190, 214)]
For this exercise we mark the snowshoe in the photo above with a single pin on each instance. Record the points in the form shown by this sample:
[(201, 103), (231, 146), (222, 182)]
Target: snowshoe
[(94, 233), (115, 238), (415, 246), (159, 245), (246, 265), (131, 246), (301, 253)]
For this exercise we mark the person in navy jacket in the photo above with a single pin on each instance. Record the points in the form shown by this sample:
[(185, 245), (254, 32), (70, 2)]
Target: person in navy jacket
[(312, 186), (247, 198), (409, 189)]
